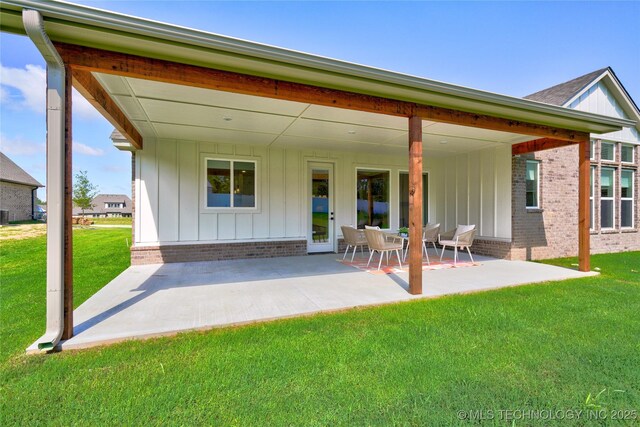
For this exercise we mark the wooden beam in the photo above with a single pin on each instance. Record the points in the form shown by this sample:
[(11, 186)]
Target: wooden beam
[(542, 144), (584, 211), (127, 65), (67, 329), (91, 89), (415, 205)]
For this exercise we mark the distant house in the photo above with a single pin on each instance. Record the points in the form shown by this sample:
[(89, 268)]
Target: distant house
[(107, 205), (17, 190)]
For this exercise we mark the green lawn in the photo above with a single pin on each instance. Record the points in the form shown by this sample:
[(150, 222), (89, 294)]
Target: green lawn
[(545, 346), (112, 221)]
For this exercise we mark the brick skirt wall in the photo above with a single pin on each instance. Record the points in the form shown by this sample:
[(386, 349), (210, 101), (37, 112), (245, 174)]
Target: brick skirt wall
[(216, 251)]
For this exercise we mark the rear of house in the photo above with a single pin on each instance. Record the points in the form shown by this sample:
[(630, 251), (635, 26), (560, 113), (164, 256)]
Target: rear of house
[(107, 205), (18, 191)]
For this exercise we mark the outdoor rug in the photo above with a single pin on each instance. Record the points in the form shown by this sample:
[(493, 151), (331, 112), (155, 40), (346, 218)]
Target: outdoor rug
[(393, 267)]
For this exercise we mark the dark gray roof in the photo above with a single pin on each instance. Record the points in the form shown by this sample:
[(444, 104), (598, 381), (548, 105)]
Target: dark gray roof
[(11, 172), (99, 204), (563, 92)]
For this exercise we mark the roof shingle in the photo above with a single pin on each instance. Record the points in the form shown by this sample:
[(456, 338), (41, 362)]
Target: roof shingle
[(563, 92), (11, 172)]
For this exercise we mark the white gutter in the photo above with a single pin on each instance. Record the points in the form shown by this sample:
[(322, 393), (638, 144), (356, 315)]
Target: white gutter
[(77, 14), (34, 27)]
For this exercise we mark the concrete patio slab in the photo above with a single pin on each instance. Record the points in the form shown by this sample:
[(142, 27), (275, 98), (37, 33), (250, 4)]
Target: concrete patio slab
[(163, 299)]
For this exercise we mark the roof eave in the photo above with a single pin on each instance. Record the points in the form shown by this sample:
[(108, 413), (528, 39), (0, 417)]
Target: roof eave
[(362, 78)]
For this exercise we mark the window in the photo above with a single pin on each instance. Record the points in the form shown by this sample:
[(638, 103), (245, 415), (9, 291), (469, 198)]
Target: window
[(404, 199), (607, 151), (626, 198), (372, 189), (533, 183), (626, 153), (231, 184), (592, 149), (114, 205), (607, 194), (591, 205)]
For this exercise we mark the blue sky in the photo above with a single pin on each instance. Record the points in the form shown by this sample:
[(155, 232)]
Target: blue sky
[(513, 48)]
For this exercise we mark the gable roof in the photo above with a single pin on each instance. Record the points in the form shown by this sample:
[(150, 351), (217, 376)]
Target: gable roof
[(562, 93), (99, 204), (10, 172)]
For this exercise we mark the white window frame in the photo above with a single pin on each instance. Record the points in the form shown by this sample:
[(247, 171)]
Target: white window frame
[(633, 153), (592, 198), (364, 168), (614, 145), (592, 153), (631, 199), (537, 163), (612, 198), (229, 209)]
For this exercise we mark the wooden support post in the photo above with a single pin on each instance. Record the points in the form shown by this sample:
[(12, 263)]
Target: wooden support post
[(68, 209), (415, 205), (584, 211)]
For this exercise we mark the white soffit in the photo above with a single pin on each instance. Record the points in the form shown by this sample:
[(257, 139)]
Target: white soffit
[(166, 110)]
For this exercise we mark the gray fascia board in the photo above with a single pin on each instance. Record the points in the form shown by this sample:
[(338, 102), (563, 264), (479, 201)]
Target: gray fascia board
[(77, 14)]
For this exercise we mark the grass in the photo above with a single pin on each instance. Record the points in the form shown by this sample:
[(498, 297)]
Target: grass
[(547, 346), (112, 221)]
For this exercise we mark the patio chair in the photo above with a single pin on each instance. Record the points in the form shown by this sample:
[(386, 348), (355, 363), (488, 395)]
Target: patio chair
[(429, 235), (353, 238), (378, 242), (462, 237)]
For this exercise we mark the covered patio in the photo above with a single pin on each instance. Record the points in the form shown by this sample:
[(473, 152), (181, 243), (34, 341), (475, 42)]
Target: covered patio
[(184, 98), (155, 300)]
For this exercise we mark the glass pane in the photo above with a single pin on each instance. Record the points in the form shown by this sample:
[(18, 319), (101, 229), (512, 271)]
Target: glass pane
[(592, 149), (591, 216), (608, 150), (244, 183), (531, 184), (626, 183), (593, 172), (404, 199), (606, 182), (626, 153), (372, 188), (606, 213), (626, 213), (320, 205), (218, 184)]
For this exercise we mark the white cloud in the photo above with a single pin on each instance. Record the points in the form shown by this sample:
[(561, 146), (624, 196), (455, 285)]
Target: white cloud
[(20, 147), (30, 83), (80, 148)]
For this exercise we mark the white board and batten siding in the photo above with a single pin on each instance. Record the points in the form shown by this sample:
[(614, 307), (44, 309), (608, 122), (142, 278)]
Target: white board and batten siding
[(472, 188), (600, 100)]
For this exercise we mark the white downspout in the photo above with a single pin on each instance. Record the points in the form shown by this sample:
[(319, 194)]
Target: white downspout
[(34, 27)]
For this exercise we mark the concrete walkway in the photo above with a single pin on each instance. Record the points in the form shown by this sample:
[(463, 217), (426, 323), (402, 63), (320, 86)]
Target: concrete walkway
[(162, 299)]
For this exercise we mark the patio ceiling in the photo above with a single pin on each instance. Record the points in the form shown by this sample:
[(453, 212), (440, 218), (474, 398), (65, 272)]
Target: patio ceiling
[(163, 110)]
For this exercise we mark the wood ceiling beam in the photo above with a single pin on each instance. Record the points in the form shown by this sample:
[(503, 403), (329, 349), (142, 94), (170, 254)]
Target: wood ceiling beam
[(542, 144), (127, 65), (93, 91)]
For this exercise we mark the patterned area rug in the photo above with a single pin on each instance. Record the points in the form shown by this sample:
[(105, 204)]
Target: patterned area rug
[(393, 267)]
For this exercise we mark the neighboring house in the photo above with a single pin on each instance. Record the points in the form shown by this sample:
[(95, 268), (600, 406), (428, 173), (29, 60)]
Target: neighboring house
[(17, 191), (545, 191), (107, 205)]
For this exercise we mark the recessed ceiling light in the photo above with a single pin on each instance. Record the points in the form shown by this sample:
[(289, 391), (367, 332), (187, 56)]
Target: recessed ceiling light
[(351, 132), (443, 142), (227, 119)]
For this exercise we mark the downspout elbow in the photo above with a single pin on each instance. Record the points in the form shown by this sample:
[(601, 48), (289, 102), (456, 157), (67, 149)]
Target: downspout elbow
[(34, 27)]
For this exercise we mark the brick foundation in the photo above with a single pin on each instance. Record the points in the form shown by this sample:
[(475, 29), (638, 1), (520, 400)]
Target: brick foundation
[(216, 251)]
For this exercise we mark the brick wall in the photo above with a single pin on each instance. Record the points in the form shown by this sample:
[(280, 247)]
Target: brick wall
[(552, 230), (216, 251), (16, 198)]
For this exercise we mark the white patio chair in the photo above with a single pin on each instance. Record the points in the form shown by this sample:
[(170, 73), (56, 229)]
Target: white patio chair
[(378, 242), (429, 235), (353, 238), (462, 238)]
